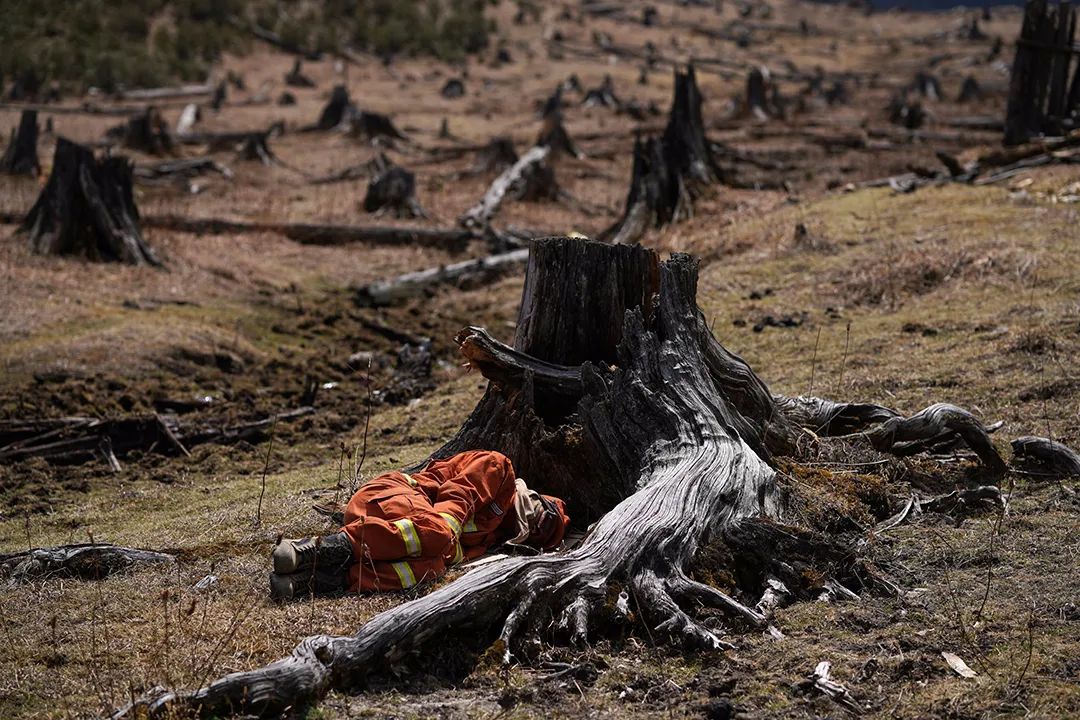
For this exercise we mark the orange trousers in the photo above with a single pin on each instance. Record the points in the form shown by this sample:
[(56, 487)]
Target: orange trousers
[(408, 528)]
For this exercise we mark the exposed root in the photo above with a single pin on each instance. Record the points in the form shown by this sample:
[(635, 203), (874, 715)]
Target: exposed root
[(651, 591)]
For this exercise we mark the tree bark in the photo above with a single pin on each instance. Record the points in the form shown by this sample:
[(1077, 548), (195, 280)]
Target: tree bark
[(87, 208), (20, 157)]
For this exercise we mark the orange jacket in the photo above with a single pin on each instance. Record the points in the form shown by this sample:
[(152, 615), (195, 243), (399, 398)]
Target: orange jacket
[(409, 528)]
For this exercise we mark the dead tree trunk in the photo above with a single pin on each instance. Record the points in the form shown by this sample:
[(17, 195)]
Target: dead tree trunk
[(605, 334), (668, 173), (87, 208), (20, 157), (1042, 100)]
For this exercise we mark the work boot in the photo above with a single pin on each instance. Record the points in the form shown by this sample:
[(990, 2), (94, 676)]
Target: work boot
[(329, 552), (316, 581)]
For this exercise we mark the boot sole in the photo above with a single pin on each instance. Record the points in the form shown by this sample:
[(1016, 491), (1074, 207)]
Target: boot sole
[(286, 561)]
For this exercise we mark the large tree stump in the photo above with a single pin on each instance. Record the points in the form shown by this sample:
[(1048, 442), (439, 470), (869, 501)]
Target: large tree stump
[(20, 157), (87, 208), (616, 396)]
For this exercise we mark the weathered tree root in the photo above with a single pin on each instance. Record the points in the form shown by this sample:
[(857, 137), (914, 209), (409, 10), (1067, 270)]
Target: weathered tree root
[(936, 428), (1047, 456), (90, 561)]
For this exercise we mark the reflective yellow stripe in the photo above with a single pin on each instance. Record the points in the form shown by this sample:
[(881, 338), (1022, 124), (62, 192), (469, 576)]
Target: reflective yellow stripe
[(408, 534), (470, 526), (405, 574), (459, 554), (452, 521), (410, 479)]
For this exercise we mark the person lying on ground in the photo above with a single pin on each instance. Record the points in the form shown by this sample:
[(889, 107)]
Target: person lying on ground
[(401, 529)]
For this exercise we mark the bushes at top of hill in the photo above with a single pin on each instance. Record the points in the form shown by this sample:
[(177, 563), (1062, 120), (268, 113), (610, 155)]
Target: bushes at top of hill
[(145, 43)]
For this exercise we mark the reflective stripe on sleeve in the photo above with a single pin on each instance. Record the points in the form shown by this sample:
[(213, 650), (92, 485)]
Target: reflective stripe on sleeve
[(405, 574), (408, 534), (455, 526), (470, 526)]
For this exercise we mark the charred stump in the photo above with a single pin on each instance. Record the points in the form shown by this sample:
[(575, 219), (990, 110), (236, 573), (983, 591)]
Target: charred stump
[(146, 132), (760, 94), (337, 110), (20, 157), (87, 208), (373, 126), (1044, 88), (553, 135), (970, 91), (670, 171), (453, 89), (496, 156), (393, 189), (255, 147), (297, 78), (604, 95)]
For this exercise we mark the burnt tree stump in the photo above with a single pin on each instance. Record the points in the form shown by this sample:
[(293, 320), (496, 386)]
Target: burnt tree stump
[(297, 78), (146, 132), (393, 189), (337, 110), (670, 171), (20, 157), (373, 126), (87, 208), (1044, 88)]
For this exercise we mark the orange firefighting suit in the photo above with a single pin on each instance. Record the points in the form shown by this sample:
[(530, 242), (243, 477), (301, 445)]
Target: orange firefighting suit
[(407, 528)]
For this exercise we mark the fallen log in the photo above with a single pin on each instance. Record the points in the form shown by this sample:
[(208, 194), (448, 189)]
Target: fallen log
[(529, 178), (20, 157), (167, 93), (87, 208), (89, 561), (186, 168), (468, 273), (451, 239)]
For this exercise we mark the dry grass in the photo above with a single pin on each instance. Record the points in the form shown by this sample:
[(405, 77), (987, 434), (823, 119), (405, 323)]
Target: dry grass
[(986, 285)]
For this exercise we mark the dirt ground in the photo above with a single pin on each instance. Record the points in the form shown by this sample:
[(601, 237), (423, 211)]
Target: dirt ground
[(955, 293)]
